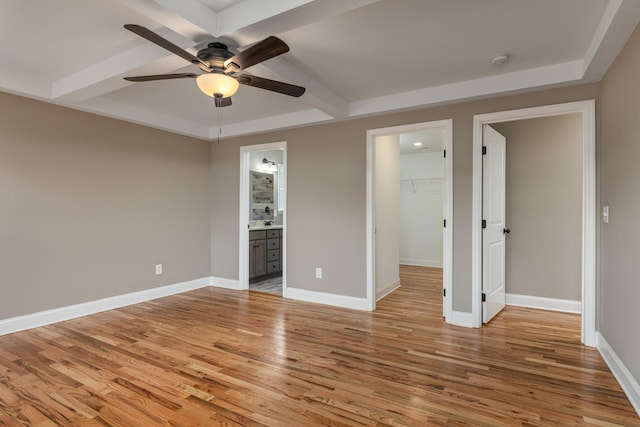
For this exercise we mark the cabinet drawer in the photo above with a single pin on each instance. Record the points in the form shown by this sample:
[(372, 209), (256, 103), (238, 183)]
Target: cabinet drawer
[(273, 233), (273, 266), (273, 243), (258, 234), (273, 255)]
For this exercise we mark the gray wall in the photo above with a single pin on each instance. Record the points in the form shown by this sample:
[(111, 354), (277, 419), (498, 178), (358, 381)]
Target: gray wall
[(88, 206), (326, 217), (619, 293), (544, 206)]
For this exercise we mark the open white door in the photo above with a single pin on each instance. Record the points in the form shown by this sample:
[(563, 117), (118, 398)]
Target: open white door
[(494, 227)]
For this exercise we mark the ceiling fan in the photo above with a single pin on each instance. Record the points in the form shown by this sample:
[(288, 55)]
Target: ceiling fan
[(220, 79)]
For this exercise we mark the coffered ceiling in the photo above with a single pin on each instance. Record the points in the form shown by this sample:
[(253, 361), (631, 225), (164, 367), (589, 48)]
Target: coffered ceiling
[(355, 57)]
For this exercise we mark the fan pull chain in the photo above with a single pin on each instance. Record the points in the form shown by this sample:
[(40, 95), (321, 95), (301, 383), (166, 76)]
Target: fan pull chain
[(219, 122)]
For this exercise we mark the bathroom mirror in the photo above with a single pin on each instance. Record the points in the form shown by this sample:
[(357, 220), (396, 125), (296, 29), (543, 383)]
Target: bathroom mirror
[(262, 199)]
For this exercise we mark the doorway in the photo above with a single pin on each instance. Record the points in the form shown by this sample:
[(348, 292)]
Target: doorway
[(383, 251), (263, 213), (586, 111)]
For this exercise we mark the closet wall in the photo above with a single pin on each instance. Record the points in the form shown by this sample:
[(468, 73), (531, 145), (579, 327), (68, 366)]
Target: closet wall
[(421, 209)]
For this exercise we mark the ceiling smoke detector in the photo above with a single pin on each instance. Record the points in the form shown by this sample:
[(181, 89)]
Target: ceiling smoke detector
[(500, 59)]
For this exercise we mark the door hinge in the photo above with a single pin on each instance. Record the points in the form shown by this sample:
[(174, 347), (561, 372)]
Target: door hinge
[(484, 150), (484, 297), (484, 223), (445, 223), (444, 293), (445, 154)]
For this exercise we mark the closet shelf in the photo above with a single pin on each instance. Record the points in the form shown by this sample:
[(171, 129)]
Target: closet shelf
[(424, 185)]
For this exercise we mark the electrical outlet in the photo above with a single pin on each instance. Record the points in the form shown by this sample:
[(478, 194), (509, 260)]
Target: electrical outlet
[(318, 273), (158, 269)]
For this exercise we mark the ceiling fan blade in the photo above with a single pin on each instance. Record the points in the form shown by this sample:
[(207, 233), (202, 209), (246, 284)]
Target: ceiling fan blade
[(222, 102), (261, 51), (161, 77), (166, 44), (272, 85)]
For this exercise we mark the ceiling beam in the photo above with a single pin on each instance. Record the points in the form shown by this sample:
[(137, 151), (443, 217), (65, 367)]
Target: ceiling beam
[(106, 75), (618, 22), (318, 95), (254, 12), (190, 18), (118, 110), (252, 20), (517, 81), (283, 121)]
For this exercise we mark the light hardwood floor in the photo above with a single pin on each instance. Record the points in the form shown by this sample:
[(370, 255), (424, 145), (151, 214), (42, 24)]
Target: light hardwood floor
[(220, 357)]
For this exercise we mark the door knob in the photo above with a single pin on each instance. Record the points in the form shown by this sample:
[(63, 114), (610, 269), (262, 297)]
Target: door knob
[(506, 231)]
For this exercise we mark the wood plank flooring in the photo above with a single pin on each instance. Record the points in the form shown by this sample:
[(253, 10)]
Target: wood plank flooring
[(219, 357)]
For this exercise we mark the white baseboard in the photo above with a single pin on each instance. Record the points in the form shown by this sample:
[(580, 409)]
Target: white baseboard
[(421, 262), (625, 379), (20, 323), (542, 303), (220, 282), (326, 298), (381, 293), (461, 318)]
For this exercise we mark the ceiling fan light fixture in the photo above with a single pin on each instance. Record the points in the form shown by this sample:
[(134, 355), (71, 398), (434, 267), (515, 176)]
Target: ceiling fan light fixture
[(217, 84)]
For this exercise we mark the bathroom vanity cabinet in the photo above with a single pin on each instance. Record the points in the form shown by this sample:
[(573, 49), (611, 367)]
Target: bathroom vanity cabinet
[(265, 252)]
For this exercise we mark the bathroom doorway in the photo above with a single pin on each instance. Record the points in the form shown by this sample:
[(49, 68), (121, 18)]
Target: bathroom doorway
[(262, 231)]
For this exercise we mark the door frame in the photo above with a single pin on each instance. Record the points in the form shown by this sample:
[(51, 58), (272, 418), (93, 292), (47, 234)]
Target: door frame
[(243, 229), (447, 244), (589, 213)]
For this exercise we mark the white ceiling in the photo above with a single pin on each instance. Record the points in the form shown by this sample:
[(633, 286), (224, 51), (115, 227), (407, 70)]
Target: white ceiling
[(355, 57), (432, 141)]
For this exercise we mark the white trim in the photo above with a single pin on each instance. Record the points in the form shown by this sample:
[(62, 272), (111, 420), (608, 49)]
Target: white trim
[(381, 293), (629, 384), (220, 282), (243, 217), (421, 262), (587, 109), (447, 263), (447, 240), (47, 317), (266, 124), (544, 303), (327, 299), (461, 318), (370, 224)]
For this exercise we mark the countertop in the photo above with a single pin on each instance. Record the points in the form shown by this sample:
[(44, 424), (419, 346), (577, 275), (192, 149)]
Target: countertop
[(266, 227)]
